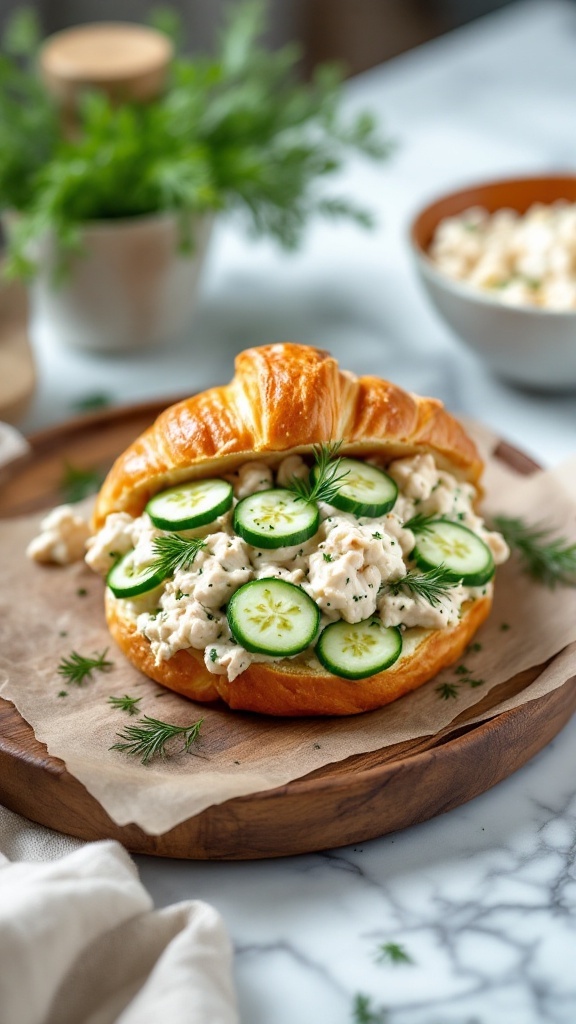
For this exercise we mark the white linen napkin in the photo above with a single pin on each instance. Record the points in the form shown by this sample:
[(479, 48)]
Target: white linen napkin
[(80, 943), (12, 444)]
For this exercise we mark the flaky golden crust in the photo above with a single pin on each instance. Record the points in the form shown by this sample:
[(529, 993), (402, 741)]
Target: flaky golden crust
[(283, 398), (291, 688)]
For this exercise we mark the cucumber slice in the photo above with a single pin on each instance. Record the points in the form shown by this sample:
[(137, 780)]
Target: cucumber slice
[(189, 505), (126, 579), (271, 616), (275, 519), (360, 649), (460, 551), (365, 491)]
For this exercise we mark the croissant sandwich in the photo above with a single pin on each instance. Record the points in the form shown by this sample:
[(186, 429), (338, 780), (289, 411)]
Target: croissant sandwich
[(300, 541)]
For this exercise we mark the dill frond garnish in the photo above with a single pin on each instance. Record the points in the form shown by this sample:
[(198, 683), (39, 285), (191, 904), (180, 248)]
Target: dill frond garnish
[(77, 668), (432, 585), (324, 482), (420, 523), (149, 737), (174, 552), (125, 703), (548, 559)]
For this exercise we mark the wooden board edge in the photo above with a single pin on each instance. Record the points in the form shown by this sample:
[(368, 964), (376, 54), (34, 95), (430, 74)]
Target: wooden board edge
[(337, 810)]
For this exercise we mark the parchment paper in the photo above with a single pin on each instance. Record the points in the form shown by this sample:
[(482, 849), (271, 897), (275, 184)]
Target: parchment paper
[(43, 618)]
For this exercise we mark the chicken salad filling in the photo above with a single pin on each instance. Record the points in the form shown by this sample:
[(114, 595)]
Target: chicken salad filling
[(354, 570)]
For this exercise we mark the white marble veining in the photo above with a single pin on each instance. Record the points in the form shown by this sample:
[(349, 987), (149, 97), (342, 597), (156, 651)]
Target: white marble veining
[(483, 899)]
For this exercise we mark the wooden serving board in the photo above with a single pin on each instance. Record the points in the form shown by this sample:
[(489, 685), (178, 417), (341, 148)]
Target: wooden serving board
[(367, 795)]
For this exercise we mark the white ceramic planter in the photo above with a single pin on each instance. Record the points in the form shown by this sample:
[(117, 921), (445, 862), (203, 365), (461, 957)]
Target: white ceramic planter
[(128, 288)]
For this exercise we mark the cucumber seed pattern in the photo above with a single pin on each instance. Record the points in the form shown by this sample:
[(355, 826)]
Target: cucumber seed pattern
[(272, 613)]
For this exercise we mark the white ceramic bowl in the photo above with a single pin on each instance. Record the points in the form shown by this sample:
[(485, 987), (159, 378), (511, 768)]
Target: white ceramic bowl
[(525, 345)]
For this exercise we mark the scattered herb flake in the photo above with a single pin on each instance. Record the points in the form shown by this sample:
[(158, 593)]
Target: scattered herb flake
[(90, 403), (447, 691), (392, 953), (363, 1012), (126, 703)]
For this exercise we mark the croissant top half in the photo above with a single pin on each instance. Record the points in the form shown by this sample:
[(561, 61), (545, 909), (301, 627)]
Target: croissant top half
[(283, 397)]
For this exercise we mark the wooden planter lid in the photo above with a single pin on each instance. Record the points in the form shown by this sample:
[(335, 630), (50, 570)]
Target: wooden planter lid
[(127, 61)]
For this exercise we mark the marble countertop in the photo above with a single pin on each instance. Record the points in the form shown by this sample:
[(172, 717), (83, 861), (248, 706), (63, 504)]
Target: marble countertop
[(481, 900)]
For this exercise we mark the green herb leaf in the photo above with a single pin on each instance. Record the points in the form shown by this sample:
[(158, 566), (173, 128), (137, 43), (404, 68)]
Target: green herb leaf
[(363, 1011), (431, 586), (22, 34), (392, 953), (77, 483), (126, 703), (447, 691), (548, 559), (90, 403), (237, 130), (149, 738), (328, 477), (174, 552), (77, 667), (420, 523)]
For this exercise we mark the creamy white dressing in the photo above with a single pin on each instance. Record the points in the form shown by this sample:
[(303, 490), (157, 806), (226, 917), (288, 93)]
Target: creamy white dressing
[(343, 567)]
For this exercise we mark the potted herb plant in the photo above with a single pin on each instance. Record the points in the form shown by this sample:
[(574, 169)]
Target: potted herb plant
[(110, 219)]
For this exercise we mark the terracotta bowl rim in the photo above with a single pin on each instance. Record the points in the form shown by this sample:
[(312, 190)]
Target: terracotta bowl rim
[(461, 288)]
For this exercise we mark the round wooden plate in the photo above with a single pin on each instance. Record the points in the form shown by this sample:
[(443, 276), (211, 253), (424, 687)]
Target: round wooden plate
[(363, 797)]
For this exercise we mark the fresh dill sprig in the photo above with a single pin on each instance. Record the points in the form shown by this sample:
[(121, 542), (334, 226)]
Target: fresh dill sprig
[(392, 953), (548, 559), (77, 483), (363, 1012), (150, 736), (324, 482), (450, 690), (419, 523), (447, 691), (431, 585), (174, 552), (77, 668), (126, 703), (91, 402)]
